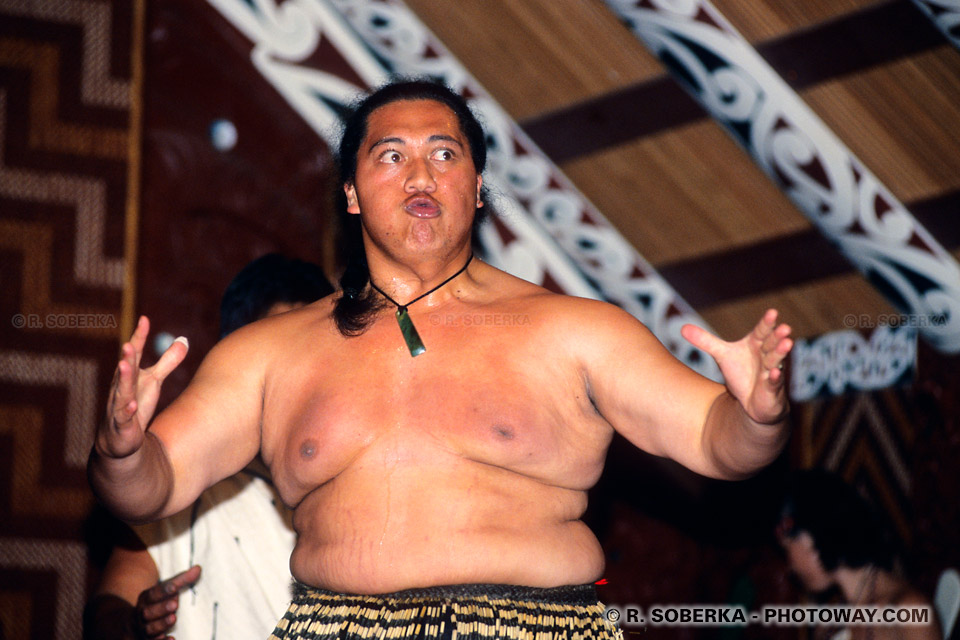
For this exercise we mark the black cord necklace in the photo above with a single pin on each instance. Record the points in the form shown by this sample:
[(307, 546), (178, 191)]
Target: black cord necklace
[(410, 335)]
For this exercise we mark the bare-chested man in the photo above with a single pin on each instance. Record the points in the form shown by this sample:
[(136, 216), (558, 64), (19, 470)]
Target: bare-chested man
[(466, 465)]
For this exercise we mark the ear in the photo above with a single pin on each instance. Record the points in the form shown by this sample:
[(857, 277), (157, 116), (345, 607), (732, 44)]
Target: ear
[(479, 186), (353, 206)]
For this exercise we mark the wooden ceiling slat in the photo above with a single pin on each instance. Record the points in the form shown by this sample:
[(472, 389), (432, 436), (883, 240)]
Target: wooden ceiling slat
[(811, 310), (792, 260), (760, 268), (902, 120), (634, 112), (758, 21), (684, 193), (874, 36), (539, 55)]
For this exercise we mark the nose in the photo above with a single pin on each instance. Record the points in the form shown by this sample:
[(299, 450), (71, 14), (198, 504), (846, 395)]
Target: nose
[(420, 177)]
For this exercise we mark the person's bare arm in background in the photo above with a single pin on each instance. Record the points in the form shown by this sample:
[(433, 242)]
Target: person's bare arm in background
[(130, 603)]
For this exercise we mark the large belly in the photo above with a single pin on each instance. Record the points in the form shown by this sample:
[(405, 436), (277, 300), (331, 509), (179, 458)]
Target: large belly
[(378, 528)]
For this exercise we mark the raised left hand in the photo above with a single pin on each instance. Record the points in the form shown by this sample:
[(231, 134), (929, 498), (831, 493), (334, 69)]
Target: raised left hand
[(752, 366)]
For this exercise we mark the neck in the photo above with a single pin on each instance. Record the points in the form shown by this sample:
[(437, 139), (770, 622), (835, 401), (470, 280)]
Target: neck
[(406, 281), (859, 586)]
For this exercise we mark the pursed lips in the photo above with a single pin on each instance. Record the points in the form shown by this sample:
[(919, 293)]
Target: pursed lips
[(422, 206)]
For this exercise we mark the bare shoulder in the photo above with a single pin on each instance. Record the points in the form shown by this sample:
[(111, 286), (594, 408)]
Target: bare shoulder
[(915, 600), (587, 327), (591, 326), (559, 306)]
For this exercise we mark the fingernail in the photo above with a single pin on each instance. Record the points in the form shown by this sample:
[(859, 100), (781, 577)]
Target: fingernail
[(185, 342)]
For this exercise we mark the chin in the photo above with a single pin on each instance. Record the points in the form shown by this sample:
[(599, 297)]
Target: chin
[(422, 235), (816, 584)]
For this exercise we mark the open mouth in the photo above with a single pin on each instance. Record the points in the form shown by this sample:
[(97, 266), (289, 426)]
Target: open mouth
[(422, 207)]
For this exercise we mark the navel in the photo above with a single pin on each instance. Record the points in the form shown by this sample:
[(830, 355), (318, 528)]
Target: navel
[(308, 449)]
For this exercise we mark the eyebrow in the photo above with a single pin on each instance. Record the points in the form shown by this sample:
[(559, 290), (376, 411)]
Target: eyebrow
[(437, 137)]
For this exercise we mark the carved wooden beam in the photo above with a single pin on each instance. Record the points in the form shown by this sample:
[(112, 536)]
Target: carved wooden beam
[(945, 15), (822, 177)]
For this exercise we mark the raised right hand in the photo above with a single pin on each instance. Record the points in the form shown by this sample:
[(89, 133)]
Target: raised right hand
[(134, 394), (157, 606)]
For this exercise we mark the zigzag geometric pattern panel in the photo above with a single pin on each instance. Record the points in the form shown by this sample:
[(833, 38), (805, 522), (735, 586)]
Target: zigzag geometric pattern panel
[(891, 445), (65, 78), (867, 438)]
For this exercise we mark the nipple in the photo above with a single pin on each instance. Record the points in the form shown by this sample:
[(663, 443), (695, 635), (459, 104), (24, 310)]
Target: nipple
[(308, 449), (503, 431)]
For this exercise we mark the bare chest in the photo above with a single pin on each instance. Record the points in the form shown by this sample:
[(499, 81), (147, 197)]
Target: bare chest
[(477, 395)]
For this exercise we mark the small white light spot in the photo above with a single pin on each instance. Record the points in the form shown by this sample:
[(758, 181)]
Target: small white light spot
[(223, 135), (162, 342)]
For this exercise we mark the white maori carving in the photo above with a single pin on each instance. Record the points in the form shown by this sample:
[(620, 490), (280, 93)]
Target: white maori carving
[(844, 361), (528, 181), (797, 150), (946, 15), (286, 35)]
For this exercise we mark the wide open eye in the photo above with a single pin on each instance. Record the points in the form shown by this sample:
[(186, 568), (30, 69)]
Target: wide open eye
[(444, 155), (391, 157)]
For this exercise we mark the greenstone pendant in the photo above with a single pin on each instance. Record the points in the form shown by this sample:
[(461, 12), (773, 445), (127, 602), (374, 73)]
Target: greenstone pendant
[(410, 335)]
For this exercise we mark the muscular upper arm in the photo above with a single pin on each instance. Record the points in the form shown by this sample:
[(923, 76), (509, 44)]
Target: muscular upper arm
[(647, 395), (212, 430)]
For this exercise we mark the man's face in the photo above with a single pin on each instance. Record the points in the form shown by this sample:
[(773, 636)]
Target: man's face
[(415, 185)]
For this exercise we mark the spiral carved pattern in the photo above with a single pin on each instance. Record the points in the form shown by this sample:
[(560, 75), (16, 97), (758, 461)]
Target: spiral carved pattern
[(796, 149), (945, 15)]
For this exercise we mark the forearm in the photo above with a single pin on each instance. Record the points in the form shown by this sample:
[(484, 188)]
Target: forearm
[(737, 446), (109, 617), (136, 487)]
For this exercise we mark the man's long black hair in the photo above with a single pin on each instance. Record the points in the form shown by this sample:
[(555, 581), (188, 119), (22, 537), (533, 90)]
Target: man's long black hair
[(358, 304)]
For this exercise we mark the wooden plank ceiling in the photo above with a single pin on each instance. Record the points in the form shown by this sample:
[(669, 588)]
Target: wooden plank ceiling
[(678, 187)]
